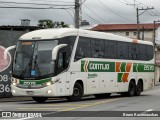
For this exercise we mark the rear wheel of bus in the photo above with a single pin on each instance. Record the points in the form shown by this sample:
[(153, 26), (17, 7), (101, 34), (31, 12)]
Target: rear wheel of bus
[(139, 87), (39, 99), (131, 90)]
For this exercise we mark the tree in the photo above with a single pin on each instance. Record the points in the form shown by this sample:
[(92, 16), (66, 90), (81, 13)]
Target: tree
[(47, 23)]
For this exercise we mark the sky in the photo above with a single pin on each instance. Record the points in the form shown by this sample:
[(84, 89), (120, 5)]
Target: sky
[(94, 11)]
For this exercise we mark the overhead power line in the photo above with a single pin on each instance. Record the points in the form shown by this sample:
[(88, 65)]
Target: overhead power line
[(127, 3), (114, 11), (91, 18), (52, 1), (95, 14), (37, 7), (36, 3)]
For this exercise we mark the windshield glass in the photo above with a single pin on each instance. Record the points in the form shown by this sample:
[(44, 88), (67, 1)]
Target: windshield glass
[(34, 59)]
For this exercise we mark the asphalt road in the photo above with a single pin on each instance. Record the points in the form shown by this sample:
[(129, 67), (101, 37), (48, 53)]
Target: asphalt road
[(90, 107)]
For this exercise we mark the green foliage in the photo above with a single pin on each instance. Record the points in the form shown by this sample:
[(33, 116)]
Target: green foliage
[(47, 23)]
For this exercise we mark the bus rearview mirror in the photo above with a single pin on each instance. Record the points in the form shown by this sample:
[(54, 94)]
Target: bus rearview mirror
[(56, 49), (8, 49)]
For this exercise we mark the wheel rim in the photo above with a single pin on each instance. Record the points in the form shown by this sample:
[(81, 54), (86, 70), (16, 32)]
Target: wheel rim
[(76, 92)]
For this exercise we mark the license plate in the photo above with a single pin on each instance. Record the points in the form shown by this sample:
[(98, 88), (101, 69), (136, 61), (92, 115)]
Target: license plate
[(30, 92)]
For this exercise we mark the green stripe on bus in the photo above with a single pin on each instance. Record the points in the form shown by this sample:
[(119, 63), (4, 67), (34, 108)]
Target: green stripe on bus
[(120, 77), (123, 67), (82, 66), (96, 66), (37, 82), (143, 67)]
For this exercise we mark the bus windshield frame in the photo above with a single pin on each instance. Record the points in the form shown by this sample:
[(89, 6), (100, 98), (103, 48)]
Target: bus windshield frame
[(33, 59)]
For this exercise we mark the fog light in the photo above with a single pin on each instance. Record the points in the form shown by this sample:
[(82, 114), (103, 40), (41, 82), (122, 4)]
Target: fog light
[(49, 91), (13, 91)]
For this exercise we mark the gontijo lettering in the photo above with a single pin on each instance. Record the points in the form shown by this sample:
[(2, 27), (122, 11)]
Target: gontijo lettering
[(97, 66)]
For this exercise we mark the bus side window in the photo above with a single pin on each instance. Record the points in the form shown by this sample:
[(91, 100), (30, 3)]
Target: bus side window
[(122, 49), (150, 52), (110, 49), (142, 52), (83, 49), (97, 48), (70, 40), (61, 63), (134, 51)]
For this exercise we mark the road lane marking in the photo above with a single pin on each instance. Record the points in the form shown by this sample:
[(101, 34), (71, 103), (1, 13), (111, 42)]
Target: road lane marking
[(149, 110), (94, 104), (66, 105), (69, 109), (38, 108)]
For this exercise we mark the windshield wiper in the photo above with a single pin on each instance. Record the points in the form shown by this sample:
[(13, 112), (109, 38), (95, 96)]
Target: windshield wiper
[(25, 69), (36, 67)]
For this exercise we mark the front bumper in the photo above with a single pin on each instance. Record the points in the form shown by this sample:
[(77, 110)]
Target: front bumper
[(49, 91)]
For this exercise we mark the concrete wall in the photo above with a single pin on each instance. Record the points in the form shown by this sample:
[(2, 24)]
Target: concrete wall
[(7, 38)]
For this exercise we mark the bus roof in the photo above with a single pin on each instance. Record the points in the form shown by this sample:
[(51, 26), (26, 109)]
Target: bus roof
[(62, 32)]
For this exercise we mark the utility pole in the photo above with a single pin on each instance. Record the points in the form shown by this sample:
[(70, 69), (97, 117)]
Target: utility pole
[(77, 10), (154, 32), (144, 10), (155, 50)]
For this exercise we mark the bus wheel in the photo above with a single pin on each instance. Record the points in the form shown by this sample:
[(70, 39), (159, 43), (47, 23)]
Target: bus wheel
[(131, 89), (77, 93), (39, 99), (98, 96), (139, 88)]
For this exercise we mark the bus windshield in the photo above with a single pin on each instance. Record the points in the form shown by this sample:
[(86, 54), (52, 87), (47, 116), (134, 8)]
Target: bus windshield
[(33, 59)]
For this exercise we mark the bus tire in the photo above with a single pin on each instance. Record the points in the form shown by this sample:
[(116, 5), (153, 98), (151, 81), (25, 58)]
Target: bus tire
[(131, 89), (40, 99), (139, 88), (98, 96), (77, 93)]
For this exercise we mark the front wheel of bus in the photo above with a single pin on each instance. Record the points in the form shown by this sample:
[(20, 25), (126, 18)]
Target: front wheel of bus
[(77, 93), (39, 99)]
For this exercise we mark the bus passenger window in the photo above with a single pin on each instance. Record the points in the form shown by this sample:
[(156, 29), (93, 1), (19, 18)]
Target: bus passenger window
[(134, 52), (150, 52), (110, 49), (97, 48), (142, 52), (83, 49)]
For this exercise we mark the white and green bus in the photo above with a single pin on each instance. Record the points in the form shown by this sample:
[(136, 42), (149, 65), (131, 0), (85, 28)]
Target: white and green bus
[(73, 63)]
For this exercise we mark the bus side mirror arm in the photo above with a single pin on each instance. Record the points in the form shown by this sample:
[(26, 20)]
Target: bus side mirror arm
[(56, 49), (8, 49)]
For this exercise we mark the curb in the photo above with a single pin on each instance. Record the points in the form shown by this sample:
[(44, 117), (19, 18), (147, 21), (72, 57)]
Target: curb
[(15, 99)]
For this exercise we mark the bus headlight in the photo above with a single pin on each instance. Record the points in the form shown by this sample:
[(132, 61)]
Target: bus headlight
[(51, 82), (15, 82), (48, 83)]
